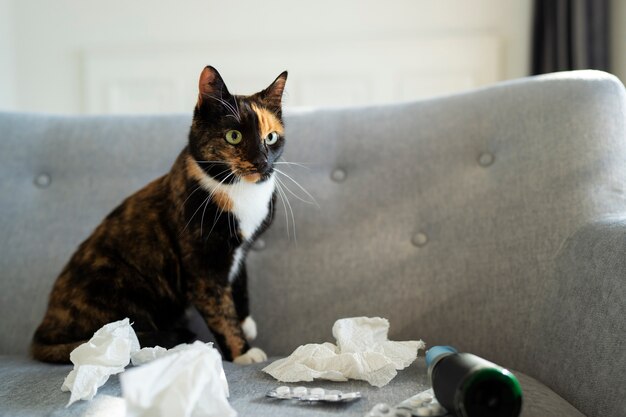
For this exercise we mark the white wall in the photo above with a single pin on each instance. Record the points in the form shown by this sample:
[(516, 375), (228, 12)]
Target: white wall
[(7, 56), (50, 36)]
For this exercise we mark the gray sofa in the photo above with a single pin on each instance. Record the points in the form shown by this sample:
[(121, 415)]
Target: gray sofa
[(493, 220)]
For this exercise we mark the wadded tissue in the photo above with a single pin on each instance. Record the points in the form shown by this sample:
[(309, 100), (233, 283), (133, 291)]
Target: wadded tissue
[(363, 351), (105, 354), (185, 381)]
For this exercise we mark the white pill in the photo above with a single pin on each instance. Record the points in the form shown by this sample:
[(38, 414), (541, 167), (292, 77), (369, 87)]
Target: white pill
[(300, 391), (422, 411), (426, 398), (437, 410), (284, 390), (382, 408), (400, 412), (318, 392), (351, 395), (414, 403), (331, 397)]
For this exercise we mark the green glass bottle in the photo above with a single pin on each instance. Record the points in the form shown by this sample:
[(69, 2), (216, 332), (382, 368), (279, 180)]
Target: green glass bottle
[(471, 386)]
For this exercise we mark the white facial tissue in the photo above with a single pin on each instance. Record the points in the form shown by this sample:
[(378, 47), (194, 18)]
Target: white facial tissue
[(363, 352), (185, 381), (147, 354), (105, 354)]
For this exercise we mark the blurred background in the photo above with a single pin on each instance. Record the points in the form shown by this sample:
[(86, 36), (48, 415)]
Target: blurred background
[(141, 56)]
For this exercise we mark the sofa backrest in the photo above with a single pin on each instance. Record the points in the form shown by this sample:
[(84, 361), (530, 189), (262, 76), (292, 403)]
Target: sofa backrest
[(444, 216)]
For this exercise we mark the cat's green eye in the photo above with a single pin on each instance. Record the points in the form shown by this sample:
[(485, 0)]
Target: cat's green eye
[(272, 138), (233, 137)]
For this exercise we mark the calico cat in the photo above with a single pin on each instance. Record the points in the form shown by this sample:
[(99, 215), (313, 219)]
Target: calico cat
[(182, 239)]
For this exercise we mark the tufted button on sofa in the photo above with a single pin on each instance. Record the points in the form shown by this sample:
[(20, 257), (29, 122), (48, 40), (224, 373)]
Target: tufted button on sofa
[(493, 220)]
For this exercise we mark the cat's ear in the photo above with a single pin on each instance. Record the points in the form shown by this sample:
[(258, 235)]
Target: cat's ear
[(273, 95), (211, 84)]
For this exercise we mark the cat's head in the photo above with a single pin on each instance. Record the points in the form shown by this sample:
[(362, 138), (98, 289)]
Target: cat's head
[(237, 137)]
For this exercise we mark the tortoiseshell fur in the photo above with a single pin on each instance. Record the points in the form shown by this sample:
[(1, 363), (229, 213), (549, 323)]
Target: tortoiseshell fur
[(172, 244)]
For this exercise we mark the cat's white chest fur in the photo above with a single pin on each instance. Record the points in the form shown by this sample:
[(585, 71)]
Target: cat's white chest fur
[(250, 207), (250, 204), (249, 201)]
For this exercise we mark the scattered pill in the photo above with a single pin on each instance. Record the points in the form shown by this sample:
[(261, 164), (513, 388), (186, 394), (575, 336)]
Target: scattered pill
[(382, 408), (421, 404), (318, 392), (422, 411), (312, 395), (437, 409)]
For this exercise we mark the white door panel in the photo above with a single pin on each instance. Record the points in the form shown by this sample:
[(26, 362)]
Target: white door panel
[(164, 79)]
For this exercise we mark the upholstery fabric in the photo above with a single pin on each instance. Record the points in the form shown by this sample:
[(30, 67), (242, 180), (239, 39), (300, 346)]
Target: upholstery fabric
[(24, 393), (487, 220)]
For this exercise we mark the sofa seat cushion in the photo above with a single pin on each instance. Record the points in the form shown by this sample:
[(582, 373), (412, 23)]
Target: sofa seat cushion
[(30, 388)]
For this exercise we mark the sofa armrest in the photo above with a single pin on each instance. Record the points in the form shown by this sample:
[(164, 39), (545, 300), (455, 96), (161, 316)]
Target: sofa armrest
[(582, 334)]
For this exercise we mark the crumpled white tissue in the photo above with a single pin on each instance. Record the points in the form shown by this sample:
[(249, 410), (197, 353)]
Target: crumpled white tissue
[(363, 351), (185, 381), (105, 354), (148, 354)]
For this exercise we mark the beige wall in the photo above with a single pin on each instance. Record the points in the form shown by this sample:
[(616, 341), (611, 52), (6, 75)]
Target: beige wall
[(50, 36)]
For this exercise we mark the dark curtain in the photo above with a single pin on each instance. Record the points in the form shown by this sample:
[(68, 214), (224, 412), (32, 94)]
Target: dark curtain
[(569, 35)]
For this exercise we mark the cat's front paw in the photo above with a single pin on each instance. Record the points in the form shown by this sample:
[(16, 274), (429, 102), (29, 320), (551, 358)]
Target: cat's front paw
[(254, 355), (249, 328)]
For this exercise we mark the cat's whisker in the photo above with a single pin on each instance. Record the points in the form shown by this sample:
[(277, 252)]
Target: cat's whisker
[(228, 106), (210, 162), (200, 186), (296, 195), (203, 202), (239, 189), (189, 196), (194, 213), (293, 220), (282, 199), (236, 105), (221, 209), (211, 194), (292, 163), (218, 214), (229, 217), (202, 218), (299, 186)]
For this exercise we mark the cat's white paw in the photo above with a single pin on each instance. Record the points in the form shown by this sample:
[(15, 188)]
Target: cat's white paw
[(249, 328), (254, 355)]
